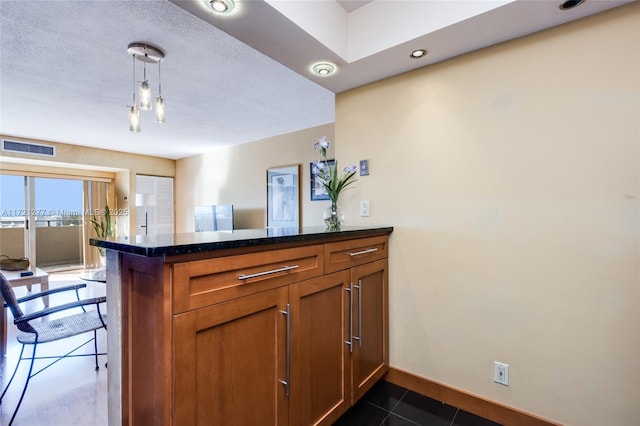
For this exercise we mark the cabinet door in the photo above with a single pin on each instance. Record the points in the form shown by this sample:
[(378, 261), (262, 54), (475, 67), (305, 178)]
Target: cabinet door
[(320, 381), (370, 358), (229, 360)]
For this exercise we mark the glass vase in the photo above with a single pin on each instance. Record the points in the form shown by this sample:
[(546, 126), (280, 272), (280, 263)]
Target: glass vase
[(333, 217)]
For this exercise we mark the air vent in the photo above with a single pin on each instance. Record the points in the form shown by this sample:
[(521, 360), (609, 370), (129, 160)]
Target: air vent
[(28, 148)]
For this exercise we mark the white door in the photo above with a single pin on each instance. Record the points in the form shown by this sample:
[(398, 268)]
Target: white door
[(154, 205)]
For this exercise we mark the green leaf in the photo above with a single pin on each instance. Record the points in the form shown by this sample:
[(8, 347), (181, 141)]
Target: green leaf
[(103, 228)]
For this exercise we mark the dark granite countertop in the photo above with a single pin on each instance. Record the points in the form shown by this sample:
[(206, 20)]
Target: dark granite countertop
[(198, 242)]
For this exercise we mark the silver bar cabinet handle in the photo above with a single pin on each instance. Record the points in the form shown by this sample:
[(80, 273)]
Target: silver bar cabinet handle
[(287, 382), (358, 253), (360, 312), (359, 336), (350, 341), (273, 271)]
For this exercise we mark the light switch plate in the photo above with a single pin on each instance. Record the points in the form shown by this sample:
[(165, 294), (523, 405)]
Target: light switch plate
[(364, 167), (364, 208)]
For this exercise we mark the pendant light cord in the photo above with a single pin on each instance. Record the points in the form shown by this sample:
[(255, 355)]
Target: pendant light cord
[(134, 79), (159, 80), (144, 65)]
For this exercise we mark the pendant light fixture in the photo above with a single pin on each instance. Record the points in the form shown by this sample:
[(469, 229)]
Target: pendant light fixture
[(145, 91), (134, 112), (145, 53), (134, 119), (160, 113)]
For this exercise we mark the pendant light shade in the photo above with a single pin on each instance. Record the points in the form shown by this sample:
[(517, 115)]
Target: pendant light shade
[(160, 113), (145, 96), (134, 113), (145, 53), (134, 119)]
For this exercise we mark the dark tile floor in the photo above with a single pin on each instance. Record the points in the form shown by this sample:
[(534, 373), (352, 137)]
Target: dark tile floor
[(389, 405)]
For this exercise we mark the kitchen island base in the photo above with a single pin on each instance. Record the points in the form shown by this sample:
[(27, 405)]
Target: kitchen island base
[(287, 333)]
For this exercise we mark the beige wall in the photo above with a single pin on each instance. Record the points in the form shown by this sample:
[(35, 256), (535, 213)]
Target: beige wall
[(94, 162), (511, 177), (238, 176)]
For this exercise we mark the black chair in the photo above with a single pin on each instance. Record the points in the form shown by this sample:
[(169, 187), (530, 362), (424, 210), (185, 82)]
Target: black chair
[(36, 328)]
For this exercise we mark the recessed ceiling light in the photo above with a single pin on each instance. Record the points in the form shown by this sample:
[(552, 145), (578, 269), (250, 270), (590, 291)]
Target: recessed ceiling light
[(570, 4), (323, 69), (418, 53), (223, 7)]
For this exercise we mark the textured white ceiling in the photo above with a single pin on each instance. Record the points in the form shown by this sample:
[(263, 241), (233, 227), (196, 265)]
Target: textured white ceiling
[(65, 75)]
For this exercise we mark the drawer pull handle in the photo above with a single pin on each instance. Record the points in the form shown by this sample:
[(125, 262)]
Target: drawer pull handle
[(287, 382), (350, 341), (273, 271), (359, 336), (358, 253)]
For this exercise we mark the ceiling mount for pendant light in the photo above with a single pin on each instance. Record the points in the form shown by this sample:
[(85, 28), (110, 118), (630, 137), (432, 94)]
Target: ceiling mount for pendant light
[(146, 53)]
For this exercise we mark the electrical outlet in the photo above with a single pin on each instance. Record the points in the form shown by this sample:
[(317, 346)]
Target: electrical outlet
[(364, 208), (501, 373)]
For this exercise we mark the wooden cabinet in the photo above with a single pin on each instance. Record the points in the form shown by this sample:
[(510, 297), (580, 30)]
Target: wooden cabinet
[(207, 282), (366, 261), (242, 353), (320, 380), (347, 254), (370, 360), (228, 361), (278, 336)]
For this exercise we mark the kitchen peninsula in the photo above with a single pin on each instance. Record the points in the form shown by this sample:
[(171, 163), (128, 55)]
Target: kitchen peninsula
[(268, 326)]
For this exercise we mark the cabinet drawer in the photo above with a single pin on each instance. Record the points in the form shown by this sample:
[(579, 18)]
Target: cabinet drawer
[(346, 254), (205, 282)]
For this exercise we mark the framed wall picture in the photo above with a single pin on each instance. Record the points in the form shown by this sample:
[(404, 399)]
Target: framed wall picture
[(283, 197), (318, 191)]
